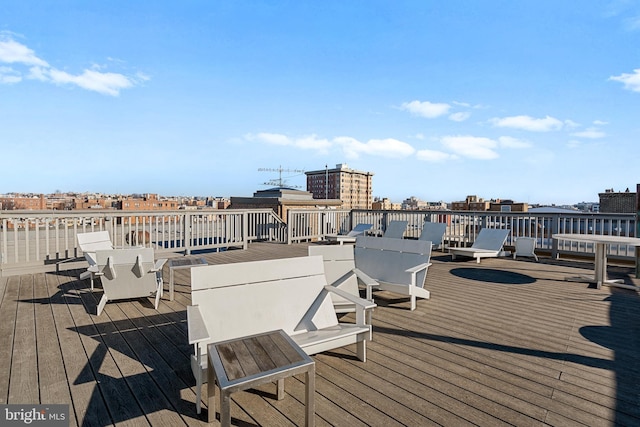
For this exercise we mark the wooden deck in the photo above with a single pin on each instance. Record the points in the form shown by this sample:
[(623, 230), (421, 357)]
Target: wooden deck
[(503, 342)]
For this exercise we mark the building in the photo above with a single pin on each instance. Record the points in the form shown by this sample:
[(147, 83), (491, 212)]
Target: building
[(508, 206), (31, 202), (384, 204), (617, 202), (281, 199), (350, 186), (471, 203)]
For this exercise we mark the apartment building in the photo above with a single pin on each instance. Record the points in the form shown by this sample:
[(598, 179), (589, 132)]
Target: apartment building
[(618, 202), (350, 186)]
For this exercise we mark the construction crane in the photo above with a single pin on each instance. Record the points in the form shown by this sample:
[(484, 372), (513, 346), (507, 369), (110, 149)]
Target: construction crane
[(280, 182)]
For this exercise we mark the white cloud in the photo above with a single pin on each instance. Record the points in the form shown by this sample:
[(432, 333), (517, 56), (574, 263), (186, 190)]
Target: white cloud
[(630, 81), (107, 83), (528, 123), (471, 146), (574, 144), (12, 52), (434, 156), (460, 116), (510, 142), (591, 133), (600, 123), (426, 109), (375, 147), (8, 75)]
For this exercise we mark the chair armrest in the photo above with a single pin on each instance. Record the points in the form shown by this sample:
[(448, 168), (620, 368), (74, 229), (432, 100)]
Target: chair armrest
[(365, 278), (417, 268), (360, 302), (197, 328), (159, 264)]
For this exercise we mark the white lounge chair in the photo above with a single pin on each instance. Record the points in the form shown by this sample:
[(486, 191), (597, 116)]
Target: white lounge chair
[(350, 237), (89, 243), (129, 273), (396, 265), (341, 272), (433, 232), (488, 244), (395, 229), (525, 246)]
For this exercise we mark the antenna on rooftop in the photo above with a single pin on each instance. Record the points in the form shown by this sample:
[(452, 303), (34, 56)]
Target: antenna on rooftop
[(281, 182)]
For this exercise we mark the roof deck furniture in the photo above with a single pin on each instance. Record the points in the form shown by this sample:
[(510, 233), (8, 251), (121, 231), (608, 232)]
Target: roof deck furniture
[(89, 243), (181, 263), (242, 363), (488, 244), (341, 272), (395, 229), (525, 246), (350, 237), (433, 232), (600, 271), (396, 265), (242, 299), (129, 273)]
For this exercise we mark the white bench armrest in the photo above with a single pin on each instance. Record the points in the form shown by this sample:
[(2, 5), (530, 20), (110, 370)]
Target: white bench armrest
[(197, 328), (417, 268), (360, 302)]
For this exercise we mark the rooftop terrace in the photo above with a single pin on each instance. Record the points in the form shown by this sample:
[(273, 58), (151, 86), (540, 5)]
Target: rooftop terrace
[(504, 342)]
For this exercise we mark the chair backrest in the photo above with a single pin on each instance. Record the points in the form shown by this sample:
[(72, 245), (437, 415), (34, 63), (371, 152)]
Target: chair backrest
[(433, 232), (94, 241), (359, 229), (525, 246), (387, 259), (491, 239), (127, 273), (248, 298), (339, 263), (395, 229)]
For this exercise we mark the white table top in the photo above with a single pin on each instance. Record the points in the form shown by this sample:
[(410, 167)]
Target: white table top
[(597, 238)]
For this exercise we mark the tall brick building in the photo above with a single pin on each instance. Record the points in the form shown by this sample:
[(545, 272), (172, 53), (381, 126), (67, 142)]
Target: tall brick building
[(350, 186)]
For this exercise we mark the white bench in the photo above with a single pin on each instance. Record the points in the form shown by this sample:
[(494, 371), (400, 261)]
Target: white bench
[(241, 299), (397, 265)]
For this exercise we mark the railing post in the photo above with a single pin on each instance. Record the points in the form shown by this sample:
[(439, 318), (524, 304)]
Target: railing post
[(187, 234), (288, 227), (637, 250), (245, 230), (555, 228)]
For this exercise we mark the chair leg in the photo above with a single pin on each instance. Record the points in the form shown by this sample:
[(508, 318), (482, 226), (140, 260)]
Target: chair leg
[(102, 303)]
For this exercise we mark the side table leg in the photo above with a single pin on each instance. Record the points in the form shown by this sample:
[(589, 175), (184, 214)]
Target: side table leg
[(225, 408), (309, 401), (170, 284), (211, 392), (280, 389)]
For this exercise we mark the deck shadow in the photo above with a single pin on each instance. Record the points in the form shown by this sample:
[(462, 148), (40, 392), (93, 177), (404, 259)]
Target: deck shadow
[(494, 276)]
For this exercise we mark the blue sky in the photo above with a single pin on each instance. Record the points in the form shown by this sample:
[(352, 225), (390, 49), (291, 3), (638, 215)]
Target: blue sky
[(535, 101)]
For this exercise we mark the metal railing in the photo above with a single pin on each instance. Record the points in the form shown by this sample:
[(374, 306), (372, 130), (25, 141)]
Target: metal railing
[(30, 240), (33, 239)]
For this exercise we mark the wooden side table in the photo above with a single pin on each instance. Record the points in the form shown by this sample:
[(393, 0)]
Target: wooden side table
[(243, 363), (178, 263)]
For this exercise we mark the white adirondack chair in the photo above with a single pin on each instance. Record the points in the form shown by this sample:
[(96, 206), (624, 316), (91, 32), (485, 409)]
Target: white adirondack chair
[(525, 246), (129, 273), (89, 243), (340, 269), (433, 232), (488, 244)]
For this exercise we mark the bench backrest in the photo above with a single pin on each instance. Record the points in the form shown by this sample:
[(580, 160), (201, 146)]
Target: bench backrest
[(387, 260), (127, 273), (433, 232), (491, 238), (94, 241), (395, 229), (248, 298)]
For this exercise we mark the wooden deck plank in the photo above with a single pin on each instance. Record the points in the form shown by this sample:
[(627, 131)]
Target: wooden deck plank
[(501, 342)]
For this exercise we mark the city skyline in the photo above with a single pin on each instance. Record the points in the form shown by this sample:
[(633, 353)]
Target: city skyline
[(532, 101)]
